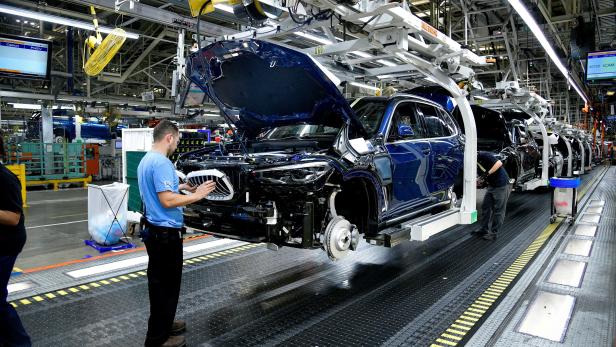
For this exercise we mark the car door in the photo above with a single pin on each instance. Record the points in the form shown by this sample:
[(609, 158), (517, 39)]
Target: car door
[(410, 155), (446, 150)]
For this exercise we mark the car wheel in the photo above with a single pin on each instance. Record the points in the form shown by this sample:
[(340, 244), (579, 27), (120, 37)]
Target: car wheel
[(59, 139)]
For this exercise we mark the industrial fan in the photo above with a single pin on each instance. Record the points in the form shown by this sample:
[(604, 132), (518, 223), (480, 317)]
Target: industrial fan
[(104, 50)]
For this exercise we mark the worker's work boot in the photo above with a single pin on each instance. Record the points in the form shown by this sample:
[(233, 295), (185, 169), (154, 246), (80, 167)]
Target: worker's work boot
[(175, 341), (178, 327)]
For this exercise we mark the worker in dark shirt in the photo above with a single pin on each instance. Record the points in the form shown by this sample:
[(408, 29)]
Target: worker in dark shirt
[(12, 241), (493, 174)]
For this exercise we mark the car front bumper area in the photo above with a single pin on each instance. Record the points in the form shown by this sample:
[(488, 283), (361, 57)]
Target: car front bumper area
[(253, 223)]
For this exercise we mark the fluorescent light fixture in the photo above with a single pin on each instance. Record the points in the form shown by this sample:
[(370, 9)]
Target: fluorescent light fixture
[(362, 54), (384, 76), (534, 27), (25, 106), (386, 62), (58, 20), (212, 115), (314, 38), (224, 7), (481, 97), (361, 85)]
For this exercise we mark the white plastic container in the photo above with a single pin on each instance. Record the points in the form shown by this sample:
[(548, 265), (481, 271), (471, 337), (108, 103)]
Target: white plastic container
[(107, 212)]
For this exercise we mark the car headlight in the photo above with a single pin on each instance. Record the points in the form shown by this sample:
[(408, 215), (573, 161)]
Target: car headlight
[(294, 174)]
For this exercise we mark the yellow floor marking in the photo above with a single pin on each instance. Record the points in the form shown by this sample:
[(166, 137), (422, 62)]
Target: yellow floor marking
[(50, 296), (124, 277), (460, 327), (485, 302), (142, 273), (114, 280), (16, 269), (25, 301), (94, 284), (452, 337), (490, 296), (480, 306), (460, 321), (13, 304), (84, 287), (454, 331), (38, 298), (481, 312), (473, 314), (133, 275), (189, 261), (435, 345), (472, 319), (73, 290), (104, 282), (449, 343)]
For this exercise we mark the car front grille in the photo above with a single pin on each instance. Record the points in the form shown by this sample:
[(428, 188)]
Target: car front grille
[(225, 189)]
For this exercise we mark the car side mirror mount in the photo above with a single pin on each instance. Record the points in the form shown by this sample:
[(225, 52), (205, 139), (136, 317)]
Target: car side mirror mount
[(405, 131), (361, 146)]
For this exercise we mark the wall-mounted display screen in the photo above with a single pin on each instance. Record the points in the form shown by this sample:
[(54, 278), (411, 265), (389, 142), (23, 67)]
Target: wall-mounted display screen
[(601, 65), (24, 57)]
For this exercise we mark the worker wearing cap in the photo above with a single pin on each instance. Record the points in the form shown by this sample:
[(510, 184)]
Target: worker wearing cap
[(162, 204)]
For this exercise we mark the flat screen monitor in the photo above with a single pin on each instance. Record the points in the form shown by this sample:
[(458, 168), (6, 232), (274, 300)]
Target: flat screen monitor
[(601, 65), (24, 57)]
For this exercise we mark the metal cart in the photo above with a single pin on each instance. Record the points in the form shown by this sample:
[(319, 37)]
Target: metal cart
[(564, 198)]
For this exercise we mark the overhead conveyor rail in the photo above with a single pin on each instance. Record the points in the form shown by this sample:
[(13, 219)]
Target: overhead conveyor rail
[(395, 32)]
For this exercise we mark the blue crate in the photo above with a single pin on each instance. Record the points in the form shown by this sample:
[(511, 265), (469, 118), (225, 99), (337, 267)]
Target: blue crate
[(565, 182)]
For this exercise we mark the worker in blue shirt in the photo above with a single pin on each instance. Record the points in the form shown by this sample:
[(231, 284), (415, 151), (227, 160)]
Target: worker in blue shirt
[(163, 220), (493, 175)]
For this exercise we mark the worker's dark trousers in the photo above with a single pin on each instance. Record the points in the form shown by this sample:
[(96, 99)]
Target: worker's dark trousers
[(493, 209), (12, 332), (164, 280)]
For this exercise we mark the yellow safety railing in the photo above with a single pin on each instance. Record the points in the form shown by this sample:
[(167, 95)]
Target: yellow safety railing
[(20, 171)]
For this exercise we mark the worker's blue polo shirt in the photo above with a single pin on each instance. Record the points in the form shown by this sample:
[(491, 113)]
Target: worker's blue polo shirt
[(156, 174)]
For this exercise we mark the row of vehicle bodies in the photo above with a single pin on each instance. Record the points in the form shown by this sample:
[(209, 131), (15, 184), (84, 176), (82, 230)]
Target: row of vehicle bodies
[(310, 169), (64, 128)]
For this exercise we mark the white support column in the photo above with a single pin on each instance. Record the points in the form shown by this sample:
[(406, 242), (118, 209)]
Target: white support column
[(583, 151), (468, 209), (569, 157), (545, 155), (47, 136)]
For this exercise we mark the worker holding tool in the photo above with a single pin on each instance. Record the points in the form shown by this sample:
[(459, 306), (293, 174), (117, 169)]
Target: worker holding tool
[(492, 175)]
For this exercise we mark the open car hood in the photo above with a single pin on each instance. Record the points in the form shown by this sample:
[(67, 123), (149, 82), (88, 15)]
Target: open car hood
[(261, 85)]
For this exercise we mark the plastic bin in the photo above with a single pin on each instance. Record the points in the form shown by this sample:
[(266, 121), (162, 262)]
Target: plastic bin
[(107, 212), (564, 197)]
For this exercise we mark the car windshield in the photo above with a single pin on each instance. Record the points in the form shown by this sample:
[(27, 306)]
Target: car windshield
[(299, 131), (370, 113)]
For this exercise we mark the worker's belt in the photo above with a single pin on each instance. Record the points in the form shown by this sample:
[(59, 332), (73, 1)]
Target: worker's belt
[(149, 230)]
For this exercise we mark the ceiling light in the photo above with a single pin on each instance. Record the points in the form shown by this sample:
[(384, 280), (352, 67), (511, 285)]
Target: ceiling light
[(224, 7), (362, 54), (313, 38), (610, 93), (481, 97), (534, 27), (381, 77), (361, 85), (386, 62), (25, 106), (58, 20)]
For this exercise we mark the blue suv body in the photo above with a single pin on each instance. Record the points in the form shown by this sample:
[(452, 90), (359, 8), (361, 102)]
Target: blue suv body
[(308, 168)]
